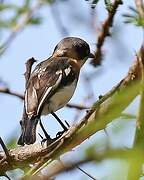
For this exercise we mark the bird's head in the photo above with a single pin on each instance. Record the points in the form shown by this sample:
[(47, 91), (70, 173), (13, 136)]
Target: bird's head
[(74, 48)]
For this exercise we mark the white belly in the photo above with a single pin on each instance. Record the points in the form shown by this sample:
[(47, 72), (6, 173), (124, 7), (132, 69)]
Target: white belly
[(59, 99)]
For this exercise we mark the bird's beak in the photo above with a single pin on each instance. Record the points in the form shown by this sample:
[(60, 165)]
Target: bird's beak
[(91, 55)]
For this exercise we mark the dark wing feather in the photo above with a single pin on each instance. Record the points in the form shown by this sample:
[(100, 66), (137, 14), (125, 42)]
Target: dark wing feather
[(46, 77)]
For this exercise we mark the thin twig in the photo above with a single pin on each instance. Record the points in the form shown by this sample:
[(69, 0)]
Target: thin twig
[(140, 7), (7, 177), (89, 175), (105, 31), (76, 106), (127, 116), (57, 19), (75, 165), (5, 150), (6, 90)]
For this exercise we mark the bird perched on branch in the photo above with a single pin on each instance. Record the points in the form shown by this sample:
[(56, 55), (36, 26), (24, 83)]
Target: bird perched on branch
[(52, 84)]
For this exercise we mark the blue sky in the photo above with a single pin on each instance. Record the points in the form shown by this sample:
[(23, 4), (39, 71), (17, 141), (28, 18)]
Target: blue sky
[(39, 42)]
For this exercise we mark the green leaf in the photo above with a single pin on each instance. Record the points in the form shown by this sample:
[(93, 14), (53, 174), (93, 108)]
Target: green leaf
[(22, 10), (7, 6), (4, 24), (90, 151), (109, 5), (49, 1), (128, 116), (132, 17), (27, 3), (35, 21), (8, 23)]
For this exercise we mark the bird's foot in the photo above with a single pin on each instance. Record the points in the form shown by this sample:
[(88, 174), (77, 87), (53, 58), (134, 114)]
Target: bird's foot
[(60, 133), (48, 140)]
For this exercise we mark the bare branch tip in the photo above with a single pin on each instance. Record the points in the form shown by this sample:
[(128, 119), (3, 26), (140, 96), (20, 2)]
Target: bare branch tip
[(5, 148)]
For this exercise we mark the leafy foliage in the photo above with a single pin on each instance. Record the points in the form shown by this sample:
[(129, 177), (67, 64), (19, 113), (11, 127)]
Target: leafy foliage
[(133, 17), (17, 14), (93, 3)]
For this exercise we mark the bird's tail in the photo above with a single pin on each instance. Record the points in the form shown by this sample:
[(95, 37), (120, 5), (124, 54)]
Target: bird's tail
[(28, 135)]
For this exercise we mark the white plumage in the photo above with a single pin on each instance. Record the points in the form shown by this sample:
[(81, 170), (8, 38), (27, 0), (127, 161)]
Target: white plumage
[(59, 99)]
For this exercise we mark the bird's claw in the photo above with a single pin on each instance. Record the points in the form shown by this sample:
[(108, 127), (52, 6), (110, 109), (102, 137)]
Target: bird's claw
[(60, 133), (43, 141), (48, 140)]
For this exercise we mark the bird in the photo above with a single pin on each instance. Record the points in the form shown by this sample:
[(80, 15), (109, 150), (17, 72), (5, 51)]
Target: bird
[(52, 84)]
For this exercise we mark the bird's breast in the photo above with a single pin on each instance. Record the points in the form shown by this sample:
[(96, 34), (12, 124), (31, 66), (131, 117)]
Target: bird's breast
[(60, 98)]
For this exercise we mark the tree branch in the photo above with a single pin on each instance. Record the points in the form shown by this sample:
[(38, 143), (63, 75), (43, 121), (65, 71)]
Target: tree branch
[(103, 112), (8, 91), (140, 7), (139, 134), (57, 167), (105, 31)]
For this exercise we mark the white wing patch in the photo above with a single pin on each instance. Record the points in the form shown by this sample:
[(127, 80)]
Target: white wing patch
[(34, 96), (26, 101), (58, 81), (48, 91), (59, 72), (67, 71), (34, 93)]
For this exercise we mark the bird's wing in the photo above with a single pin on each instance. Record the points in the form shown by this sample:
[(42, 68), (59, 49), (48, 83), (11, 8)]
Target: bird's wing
[(47, 77)]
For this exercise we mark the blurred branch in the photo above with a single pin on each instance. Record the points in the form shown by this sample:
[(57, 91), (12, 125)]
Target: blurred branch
[(76, 106), (5, 150), (105, 31), (127, 116), (57, 167), (6, 90), (102, 113), (19, 27), (140, 7), (58, 21), (139, 134), (135, 15), (86, 173)]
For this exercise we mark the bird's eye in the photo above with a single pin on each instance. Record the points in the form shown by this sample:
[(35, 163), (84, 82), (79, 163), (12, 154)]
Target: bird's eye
[(87, 51)]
